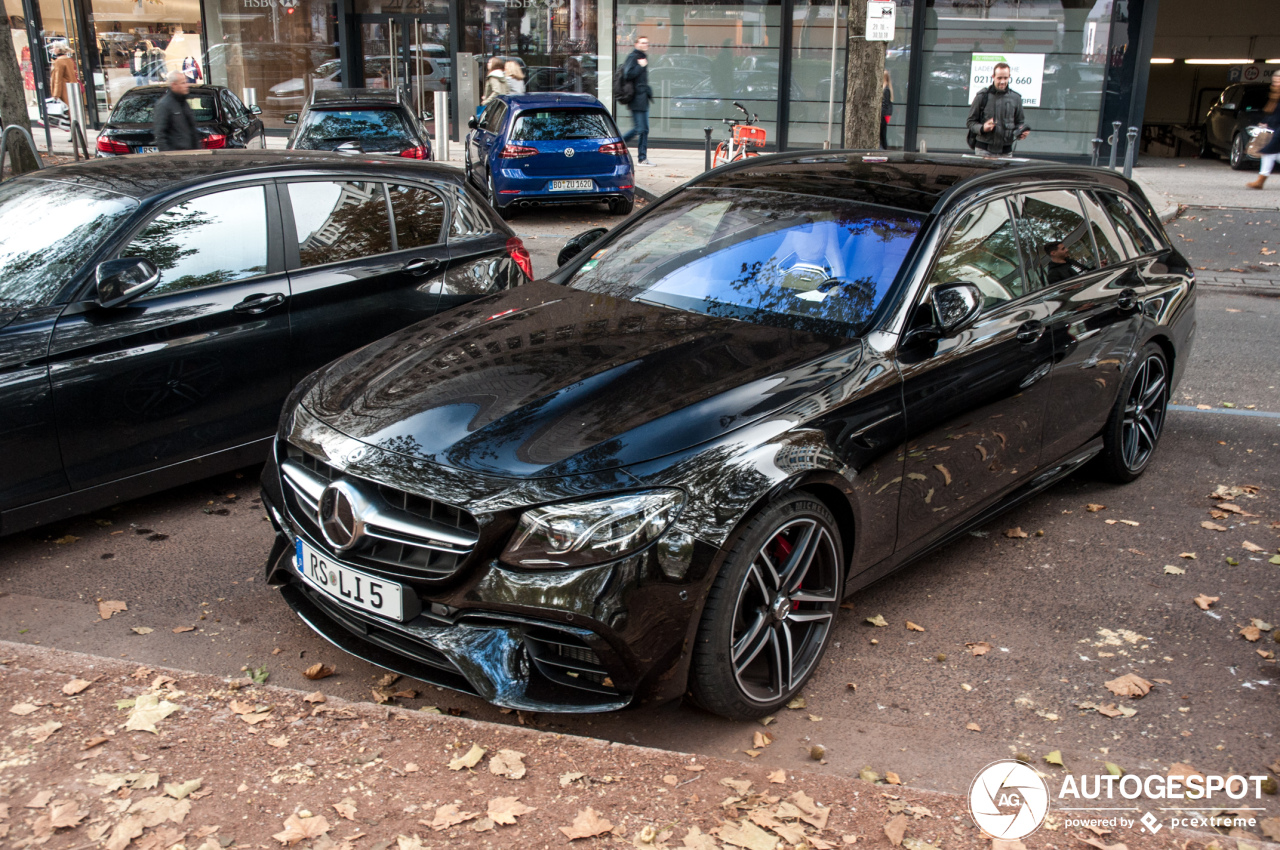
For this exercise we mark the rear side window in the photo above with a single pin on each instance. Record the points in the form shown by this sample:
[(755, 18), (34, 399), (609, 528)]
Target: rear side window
[(1055, 233), (338, 221), (1254, 97), (419, 216), (468, 220), (1132, 227), (493, 115), (140, 108), (1103, 236), (553, 125)]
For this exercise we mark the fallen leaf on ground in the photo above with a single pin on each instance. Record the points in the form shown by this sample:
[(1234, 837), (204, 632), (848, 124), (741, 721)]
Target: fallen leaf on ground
[(1190, 556), (895, 829), (912, 627), (979, 647), (180, 629), (742, 786), (471, 759), (147, 711), (878, 620), (973, 727), (507, 763), (946, 474), (778, 777), (66, 815), (1252, 547), (75, 686), (156, 810), (1055, 757), (125, 831), (1129, 685), (22, 709), (1212, 526), (1203, 602), (1093, 509), (39, 801), (759, 740), (318, 671), (588, 824), (506, 809), (180, 791), (796, 703), (746, 835), (1015, 533), (315, 697), (1251, 633), (1171, 570), (40, 734), (450, 815), (106, 609), (255, 718), (141, 630), (279, 742), (346, 808), (298, 829)]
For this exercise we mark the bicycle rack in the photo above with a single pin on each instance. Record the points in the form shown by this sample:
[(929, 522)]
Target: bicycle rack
[(31, 144), (77, 135)]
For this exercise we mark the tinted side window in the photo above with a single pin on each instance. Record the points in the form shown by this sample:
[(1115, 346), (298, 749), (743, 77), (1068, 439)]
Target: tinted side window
[(338, 221), (982, 250), (206, 241), (468, 220), (419, 216), (1103, 236), (493, 115), (1130, 224), (1053, 229)]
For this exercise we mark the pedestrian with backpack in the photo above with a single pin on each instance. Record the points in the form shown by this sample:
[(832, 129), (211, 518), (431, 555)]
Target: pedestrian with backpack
[(631, 88), (996, 120)]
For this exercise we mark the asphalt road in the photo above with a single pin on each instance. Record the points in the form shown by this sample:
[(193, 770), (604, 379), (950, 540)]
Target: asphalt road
[(1083, 604)]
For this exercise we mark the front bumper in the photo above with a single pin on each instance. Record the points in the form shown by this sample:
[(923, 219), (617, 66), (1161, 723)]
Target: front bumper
[(594, 639)]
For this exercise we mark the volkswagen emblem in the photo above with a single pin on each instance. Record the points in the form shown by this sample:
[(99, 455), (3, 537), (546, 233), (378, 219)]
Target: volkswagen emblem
[(568, 152), (341, 515)]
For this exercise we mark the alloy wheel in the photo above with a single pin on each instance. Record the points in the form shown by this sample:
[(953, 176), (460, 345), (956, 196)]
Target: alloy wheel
[(1237, 152), (1144, 412), (784, 611)]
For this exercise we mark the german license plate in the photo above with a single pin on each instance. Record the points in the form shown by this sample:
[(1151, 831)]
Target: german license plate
[(149, 149), (350, 587), (572, 185)]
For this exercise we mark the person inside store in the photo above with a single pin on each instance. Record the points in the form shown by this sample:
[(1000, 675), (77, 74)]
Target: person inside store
[(174, 123), (996, 120), (63, 73)]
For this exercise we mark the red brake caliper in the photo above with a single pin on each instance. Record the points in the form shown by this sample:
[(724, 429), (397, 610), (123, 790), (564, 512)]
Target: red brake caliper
[(782, 548)]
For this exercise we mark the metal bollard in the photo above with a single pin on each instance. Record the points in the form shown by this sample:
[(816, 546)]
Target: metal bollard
[(441, 109), (1097, 144), (707, 150), (1113, 141), (1132, 136), (249, 96)]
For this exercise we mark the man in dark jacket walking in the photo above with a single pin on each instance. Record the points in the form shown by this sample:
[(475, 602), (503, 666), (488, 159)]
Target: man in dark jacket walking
[(635, 71), (996, 119), (172, 120)]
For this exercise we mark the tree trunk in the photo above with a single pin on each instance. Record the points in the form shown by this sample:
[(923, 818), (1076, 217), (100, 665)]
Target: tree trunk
[(864, 82), (13, 105)]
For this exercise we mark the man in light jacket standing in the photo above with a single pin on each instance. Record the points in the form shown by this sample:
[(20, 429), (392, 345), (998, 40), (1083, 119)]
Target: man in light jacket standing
[(996, 119), (172, 120), (635, 71)]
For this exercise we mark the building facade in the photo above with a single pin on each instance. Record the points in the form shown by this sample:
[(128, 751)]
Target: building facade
[(1079, 64)]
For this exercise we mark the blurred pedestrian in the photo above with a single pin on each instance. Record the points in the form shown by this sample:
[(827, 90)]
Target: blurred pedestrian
[(1271, 149), (173, 121), (996, 120), (514, 76), (63, 73), (635, 75), (495, 83), (886, 111)]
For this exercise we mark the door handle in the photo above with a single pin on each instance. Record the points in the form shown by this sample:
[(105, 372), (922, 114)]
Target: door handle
[(255, 304), (420, 266), (1029, 332), (1127, 300)]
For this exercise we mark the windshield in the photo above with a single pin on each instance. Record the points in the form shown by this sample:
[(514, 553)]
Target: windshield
[(770, 258), (47, 232), (138, 108), (375, 130), (550, 125)]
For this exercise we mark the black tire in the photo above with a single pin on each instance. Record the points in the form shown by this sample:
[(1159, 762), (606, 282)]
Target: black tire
[(756, 614), (508, 212), (1239, 159), (1133, 429), (621, 206)]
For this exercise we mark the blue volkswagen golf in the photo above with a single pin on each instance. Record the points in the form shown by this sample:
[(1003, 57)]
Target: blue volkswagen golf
[(549, 149)]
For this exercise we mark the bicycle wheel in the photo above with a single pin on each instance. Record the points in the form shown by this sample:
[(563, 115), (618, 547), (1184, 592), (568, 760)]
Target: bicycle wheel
[(721, 156)]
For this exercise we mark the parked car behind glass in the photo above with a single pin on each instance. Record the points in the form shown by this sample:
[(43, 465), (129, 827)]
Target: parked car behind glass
[(663, 468), (221, 120), (155, 311), (1232, 122)]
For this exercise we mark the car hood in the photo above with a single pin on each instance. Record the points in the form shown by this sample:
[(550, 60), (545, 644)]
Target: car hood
[(546, 381)]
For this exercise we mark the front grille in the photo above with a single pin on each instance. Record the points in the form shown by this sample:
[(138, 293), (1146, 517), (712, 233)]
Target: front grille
[(410, 536), (560, 657)]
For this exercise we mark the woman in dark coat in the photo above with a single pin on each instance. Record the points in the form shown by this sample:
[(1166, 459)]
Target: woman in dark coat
[(886, 110), (1272, 148)]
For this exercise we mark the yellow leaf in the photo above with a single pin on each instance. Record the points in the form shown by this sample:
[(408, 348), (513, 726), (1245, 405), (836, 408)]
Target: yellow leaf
[(106, 609), (506, 809), (1055, 757), (471, 759), (912, 627), (507, 763), (1129, 685), (298, 829), (587, 824), (147, 712), (1203, 602)]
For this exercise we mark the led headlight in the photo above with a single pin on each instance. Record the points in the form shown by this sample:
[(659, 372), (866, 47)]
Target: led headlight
[(581, 533)]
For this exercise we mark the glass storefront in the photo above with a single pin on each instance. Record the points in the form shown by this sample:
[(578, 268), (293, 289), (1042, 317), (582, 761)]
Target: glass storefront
[(554, 42), (139, 43)]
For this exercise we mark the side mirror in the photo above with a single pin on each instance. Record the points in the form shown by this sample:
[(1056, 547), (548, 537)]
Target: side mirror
[(120, 281), (255, 109), (578, 244), (473, 122), (955, 305), (291, 118)]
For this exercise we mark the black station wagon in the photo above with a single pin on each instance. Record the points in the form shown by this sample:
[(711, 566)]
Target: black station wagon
[(156, 310), (660, 470)]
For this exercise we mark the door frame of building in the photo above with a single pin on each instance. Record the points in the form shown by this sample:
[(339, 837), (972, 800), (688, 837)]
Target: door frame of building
[(403, 27)]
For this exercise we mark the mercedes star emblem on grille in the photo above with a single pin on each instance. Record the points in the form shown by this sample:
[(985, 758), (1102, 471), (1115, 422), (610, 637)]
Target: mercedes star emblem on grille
[(341, 515)]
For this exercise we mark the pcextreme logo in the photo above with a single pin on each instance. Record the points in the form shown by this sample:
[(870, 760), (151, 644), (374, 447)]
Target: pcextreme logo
[(1008, 799)]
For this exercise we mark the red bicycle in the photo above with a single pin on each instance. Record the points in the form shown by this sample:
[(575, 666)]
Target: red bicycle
[(744, 138)]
